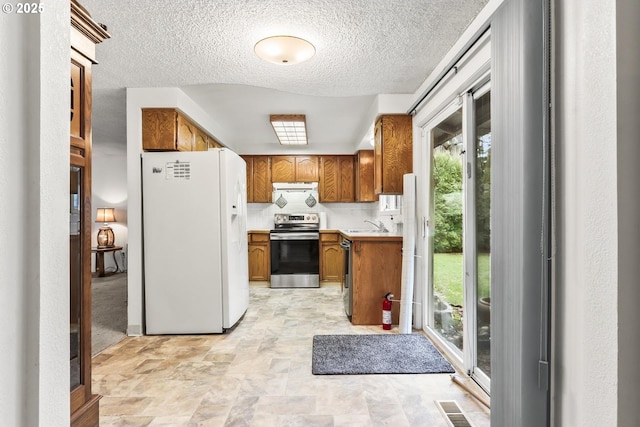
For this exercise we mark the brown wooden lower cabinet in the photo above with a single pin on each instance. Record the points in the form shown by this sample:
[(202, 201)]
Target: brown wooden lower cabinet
[(331, 257), (377, 270), (259, 257)]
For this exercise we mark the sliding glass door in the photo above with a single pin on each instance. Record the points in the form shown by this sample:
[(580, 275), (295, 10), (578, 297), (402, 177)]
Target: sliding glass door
[(459, 261), (480, 178)]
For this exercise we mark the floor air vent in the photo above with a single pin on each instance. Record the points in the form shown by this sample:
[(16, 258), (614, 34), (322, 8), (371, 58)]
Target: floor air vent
[(453, 413)]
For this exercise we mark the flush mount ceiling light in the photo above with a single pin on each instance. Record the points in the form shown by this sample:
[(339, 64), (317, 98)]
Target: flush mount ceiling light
[(284, 50), (291, 129)]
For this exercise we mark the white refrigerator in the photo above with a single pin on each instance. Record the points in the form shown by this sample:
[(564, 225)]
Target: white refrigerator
[(196, 277)]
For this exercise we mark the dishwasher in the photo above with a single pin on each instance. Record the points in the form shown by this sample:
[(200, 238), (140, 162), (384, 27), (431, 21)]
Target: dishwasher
[(347, 285)]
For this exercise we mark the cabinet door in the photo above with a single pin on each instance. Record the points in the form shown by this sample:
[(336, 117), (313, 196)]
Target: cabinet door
[(329, 177), (159, 129), (306, 169), (393, 152), (283, 168), (259, 267), (332, 258), (262, 188), (201, 141), (186, 134), (346, 185), (213, 143), (377, 150), (377, 270), (364, 177), (249, 161)]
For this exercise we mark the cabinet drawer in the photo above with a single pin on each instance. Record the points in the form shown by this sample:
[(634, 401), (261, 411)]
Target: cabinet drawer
[(329, 237), (258, 237)]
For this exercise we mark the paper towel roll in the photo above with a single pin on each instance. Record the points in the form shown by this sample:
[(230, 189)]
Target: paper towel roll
[(323, 220)]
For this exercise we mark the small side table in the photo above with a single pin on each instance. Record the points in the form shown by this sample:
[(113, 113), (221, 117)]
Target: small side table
[(100, 272)]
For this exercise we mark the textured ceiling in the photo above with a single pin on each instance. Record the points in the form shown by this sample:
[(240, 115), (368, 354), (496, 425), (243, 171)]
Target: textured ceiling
[(363, 48)]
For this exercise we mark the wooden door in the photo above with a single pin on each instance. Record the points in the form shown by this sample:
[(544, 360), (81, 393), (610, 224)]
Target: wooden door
[(393, 152), (378, 160), (306, 169), (283, 168), (201, 141), (377, 270), (262, 188), (331, 257), (346, 182), (329, 177), (365, 191), (159, 129), (249, 161), (186, 137), (259, 262)]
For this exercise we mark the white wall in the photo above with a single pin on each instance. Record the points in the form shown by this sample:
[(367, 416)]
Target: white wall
[(34, 222), (586, 298), (109, 190)]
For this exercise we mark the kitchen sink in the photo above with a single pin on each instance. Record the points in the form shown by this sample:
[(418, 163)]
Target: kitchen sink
[(364, 230)]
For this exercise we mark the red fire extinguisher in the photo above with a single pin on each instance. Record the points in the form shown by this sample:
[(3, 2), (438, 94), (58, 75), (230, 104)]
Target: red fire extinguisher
[(386, 311)]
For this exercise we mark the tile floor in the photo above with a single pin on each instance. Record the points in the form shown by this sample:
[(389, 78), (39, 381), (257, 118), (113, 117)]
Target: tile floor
[(259, 374)]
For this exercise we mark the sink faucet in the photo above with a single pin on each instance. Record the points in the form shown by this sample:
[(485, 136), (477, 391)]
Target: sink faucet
[(379, 226)]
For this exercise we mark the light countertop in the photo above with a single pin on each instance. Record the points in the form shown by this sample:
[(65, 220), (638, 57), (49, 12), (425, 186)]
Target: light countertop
[(364, 234)]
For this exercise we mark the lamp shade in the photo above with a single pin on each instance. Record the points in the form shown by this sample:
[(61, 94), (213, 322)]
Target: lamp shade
[(105, 215), (284, 50)]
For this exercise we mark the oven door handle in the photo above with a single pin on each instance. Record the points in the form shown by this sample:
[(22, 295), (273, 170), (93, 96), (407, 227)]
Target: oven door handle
[(294, 236)]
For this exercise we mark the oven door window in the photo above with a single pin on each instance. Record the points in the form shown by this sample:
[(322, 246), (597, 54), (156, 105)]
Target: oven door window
[(295, 257)]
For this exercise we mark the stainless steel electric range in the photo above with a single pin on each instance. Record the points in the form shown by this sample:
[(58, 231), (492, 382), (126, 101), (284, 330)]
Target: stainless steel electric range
[(295, 251)]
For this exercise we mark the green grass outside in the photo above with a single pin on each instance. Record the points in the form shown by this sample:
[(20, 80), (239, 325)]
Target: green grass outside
[(448, 273)]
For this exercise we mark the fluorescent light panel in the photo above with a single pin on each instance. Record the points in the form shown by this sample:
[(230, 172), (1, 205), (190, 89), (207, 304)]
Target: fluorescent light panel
[(290, 129)]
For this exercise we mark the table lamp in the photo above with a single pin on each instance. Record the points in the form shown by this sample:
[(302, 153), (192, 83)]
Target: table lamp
[(106, 238)]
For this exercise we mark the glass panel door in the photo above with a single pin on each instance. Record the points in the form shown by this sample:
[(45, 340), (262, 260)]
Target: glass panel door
[(75, 278), (447, 221), (459, 261), (482, 187)]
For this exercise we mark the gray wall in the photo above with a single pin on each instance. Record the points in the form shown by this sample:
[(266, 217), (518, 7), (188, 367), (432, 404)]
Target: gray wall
[(628, 129), (516, 214)]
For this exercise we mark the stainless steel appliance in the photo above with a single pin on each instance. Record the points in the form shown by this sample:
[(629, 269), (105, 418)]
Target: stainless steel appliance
[(295, 251), (347, 285)]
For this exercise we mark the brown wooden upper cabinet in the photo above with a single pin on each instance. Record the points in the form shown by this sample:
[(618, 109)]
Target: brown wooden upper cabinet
[(201, 141), (259, 188), (167, 129), (337, 180), (393, 151), (364, 176), (342, 178), (294, 168)]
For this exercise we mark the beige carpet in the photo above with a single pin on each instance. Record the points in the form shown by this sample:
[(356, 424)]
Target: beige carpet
[(108, 311)]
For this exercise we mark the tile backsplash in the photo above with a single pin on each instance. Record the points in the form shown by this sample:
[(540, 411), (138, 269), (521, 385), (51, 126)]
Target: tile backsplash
[(338, 215)]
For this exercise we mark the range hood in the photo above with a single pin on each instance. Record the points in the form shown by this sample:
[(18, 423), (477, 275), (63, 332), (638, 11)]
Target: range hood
[(295, 195), (295, 186)]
